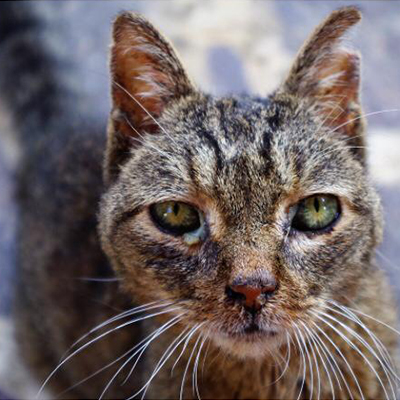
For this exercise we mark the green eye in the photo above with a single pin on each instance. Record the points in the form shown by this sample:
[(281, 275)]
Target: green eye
[(316, 213), (179, 219)]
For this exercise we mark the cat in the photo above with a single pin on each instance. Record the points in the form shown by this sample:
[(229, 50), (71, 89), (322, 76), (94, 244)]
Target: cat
[(236, 235)]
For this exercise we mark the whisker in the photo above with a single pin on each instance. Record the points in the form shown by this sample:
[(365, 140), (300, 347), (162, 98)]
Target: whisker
[(141, 349), (80, 349), (366, 345), (324, 154), (315, 359), (147, 143), (353, 346), (338, 144), (388, 261), (191, 333), (374, 319), (295, 346), (320, 355), (187, 367), (205, 355), (196, 364), (164, 358), (106, 366), (309, 364), (328, 356), (328, 116), (303, 361), (363, 116), (345, 361), (286, 363), (88, 279), (143, 108), (378, 344), (124, 314), (98, 371)]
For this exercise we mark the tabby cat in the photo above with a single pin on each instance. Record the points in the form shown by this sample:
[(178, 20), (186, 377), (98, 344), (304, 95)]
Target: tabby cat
[(239, 231)]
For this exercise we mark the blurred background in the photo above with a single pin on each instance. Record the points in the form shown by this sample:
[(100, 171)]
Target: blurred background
[(227, 46)]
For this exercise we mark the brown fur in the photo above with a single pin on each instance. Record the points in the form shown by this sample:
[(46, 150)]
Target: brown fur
[(244, 162)]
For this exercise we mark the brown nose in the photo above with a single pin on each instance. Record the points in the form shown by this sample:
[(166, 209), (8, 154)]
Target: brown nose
[(250, 296)]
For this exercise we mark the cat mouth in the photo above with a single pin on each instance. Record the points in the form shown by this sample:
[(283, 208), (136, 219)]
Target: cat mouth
[(255, 331), (250, 341), (252, 332)]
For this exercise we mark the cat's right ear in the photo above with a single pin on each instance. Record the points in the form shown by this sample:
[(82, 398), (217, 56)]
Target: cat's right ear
[(146, 76)]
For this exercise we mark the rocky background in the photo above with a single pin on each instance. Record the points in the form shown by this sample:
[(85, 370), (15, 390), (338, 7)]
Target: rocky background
[(227, 46)]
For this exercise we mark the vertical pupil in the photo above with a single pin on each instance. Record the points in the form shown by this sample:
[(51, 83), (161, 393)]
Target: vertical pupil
[(176, 208), (316, 204)]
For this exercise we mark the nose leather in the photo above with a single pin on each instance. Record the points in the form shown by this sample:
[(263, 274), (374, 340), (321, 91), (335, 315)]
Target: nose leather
[(252, 294)]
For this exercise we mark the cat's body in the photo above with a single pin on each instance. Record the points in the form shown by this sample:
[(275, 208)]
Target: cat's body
[(244, 162)]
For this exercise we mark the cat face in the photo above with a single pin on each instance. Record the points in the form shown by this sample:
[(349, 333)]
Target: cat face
[(246, 212)]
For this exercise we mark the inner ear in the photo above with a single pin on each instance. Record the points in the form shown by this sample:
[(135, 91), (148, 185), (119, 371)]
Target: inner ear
[(336, 92), (328, 76), (146, 76)]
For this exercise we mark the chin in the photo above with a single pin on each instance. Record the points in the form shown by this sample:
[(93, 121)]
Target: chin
[(254, 345)]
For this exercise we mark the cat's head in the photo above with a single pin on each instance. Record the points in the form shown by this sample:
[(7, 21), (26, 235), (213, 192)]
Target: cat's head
[(249, 212)]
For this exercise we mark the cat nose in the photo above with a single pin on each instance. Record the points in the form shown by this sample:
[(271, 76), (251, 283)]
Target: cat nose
[(251, 296)]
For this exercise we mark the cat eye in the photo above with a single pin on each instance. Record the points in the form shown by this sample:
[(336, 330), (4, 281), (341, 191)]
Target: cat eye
[(316, 213), (179, 219)]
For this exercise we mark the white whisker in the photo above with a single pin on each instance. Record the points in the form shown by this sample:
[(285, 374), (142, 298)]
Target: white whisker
[(368, 347), (353, 346), (147, 143), (378, 344), (303, 358), (187, 367), (320, 355), (331, 361), (106, 366), (339, 144), (144, 109), (286, 362), (363, 116), (374, 319), (307, 353), (195, 368), (205, 356), (311, 342), (387, 260), (345, 361), (124, 314), (164, 358), (189, 336), (80, 349), (141, 349), (88, 279), (98, 371)]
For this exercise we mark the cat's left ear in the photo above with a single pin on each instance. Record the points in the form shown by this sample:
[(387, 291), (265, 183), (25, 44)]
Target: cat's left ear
[(146, 76), (329, 75)]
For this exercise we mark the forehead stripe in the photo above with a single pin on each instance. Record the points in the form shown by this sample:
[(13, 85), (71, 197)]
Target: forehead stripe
[(213, 144)]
